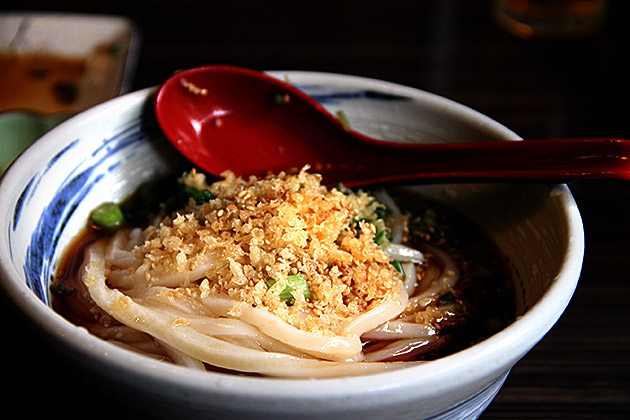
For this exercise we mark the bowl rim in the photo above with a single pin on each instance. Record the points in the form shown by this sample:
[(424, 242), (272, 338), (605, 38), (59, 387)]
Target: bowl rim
[(502, 349)]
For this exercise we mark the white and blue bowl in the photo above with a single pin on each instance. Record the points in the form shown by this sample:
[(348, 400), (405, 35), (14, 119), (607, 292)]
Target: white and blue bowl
[(104, 153)]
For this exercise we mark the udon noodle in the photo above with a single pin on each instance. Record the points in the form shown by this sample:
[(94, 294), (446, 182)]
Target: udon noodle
[(277, 276)]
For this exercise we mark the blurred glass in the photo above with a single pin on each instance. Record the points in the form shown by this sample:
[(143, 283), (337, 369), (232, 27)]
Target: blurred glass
[(550, 18)]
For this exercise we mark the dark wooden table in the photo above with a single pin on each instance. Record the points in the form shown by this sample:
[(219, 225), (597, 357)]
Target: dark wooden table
[(539, 88)]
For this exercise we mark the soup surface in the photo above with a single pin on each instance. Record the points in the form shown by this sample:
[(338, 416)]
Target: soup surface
[(282, 276)]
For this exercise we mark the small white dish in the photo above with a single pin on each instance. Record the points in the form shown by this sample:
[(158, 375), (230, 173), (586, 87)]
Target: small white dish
[(53, 65), (64, 62)]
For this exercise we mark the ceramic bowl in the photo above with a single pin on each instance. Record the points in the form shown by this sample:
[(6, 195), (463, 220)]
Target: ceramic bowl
[(104, 153)]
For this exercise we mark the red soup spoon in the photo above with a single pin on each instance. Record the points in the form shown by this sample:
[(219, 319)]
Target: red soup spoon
[(232, 118)]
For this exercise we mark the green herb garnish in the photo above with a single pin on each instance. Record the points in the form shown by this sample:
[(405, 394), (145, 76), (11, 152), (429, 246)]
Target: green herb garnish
[(382, 211), (293, 283), (60, 289), (144, 201), (381, 236), (107, 216), (200, 196), (447, 297), (342, 188), (281, 99), (398, 266), (356, 226), (343, 120), (427, 227)]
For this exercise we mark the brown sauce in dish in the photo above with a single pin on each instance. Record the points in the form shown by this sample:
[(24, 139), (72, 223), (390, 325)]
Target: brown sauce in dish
[(47, 84)]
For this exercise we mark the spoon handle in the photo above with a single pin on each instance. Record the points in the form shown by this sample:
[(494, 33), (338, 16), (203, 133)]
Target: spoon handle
[(552, 160)]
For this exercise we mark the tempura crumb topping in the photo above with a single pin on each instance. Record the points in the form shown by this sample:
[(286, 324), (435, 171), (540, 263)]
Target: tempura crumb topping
[(261, 231)]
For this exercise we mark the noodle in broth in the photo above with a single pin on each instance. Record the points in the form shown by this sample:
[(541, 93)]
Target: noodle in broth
[(281, 276)]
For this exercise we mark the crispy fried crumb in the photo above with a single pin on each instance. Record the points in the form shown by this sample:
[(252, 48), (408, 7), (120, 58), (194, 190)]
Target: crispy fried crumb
[(192, 88), (269, 228)]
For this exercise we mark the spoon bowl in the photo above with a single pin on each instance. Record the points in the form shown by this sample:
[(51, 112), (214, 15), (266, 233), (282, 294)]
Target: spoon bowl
[(232, 118)]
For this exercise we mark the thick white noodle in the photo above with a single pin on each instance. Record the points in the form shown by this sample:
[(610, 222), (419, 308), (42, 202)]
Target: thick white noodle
[(404, 253), (176, 332), (228, 329), (345, 346), (408, 256), (159, 317), (180, 358), (447, 280), (397, 348), (126, 270), (411, 280), (118, 332), (396, 219), (396, 329), (377, 315), (119, 248)]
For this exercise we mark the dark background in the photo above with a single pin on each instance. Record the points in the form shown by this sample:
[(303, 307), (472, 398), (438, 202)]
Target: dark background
[(538, 88)]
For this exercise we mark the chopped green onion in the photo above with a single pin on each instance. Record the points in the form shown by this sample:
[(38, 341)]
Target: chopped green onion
[(343, 120), (148, 193), (107, 216), (294, 282), (342, 188), (281, 99), (144, 201), (200, 196), (355, 224), (427, 227), (447, 297), (398, 266), (382, 211), (298, 281), (60, 289), (381, 235)]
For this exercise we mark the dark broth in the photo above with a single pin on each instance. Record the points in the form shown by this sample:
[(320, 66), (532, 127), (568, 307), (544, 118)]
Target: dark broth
[(486, 284)]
